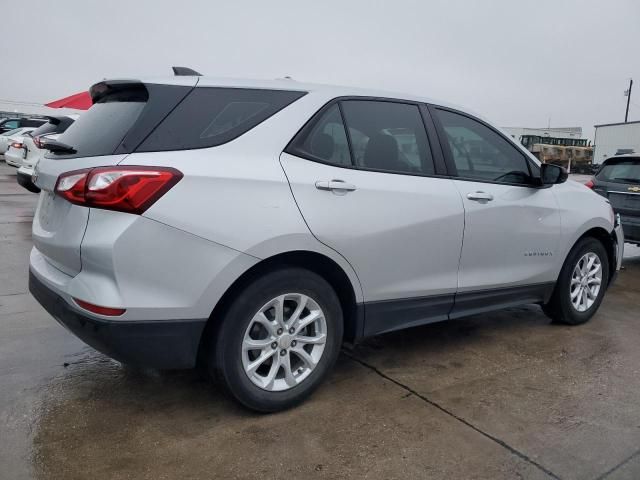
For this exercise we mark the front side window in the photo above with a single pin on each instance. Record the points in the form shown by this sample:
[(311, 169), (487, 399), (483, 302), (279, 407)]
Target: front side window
[(388, 136), (479, 153), (11, 124)]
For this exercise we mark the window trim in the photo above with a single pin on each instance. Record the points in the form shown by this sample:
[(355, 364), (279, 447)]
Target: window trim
[(448, 155), (437, 156)]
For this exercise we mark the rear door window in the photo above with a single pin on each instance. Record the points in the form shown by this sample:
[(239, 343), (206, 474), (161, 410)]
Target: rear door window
[(388, 136), (211, 116), (325, 141)]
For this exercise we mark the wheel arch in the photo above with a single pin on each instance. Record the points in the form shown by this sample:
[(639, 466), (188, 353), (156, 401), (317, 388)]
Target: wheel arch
[(316, 262), (608, 241)]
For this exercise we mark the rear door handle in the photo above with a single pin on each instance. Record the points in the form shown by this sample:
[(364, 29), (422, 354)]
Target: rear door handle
[(480, 196), (335, 185)]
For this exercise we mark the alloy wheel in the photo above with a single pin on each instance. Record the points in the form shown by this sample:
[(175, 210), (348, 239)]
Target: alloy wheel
[(586, 281), (284, 342)]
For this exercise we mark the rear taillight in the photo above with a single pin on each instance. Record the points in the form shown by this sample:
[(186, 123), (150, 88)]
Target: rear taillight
[(125, 189), (16, 145), (37, 141), (589, 184)]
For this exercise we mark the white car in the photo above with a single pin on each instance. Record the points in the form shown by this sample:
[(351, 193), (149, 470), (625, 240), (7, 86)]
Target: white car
[(16, 152), (9, 137), (255, 225), (32, 147)]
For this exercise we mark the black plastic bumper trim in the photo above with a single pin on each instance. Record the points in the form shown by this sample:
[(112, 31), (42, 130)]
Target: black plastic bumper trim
[(162, 344)]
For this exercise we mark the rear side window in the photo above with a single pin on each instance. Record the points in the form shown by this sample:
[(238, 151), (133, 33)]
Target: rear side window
[(625, 171), (208, 117)]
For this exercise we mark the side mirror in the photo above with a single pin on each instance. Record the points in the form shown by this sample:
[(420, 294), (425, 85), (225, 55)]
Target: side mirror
[(552, 174)]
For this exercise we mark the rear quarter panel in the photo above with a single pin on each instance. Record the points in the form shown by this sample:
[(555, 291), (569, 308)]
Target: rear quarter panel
[(237, 194)]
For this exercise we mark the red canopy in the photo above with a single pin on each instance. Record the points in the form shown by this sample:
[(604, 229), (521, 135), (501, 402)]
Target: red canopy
[(79, 101)]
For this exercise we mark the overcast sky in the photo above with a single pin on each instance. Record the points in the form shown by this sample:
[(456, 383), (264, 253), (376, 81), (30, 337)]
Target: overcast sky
[(519, 63)]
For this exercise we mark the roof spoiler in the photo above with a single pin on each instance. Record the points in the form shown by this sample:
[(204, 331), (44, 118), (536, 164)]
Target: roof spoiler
[(185, 72)]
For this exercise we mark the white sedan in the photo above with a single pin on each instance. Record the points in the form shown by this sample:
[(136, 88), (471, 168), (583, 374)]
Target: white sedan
[(9, 137)]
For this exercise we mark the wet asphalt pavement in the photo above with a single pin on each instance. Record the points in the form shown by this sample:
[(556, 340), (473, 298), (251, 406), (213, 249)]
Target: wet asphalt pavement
[(501, 395)]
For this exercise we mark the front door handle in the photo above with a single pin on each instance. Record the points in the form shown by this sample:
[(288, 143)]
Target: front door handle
[(480, 196), (338, 186)]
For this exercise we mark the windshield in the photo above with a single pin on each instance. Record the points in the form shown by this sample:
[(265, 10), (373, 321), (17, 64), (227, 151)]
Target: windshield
[(625, 171)]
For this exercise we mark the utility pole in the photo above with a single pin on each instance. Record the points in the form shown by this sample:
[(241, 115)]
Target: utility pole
[(628, 93)]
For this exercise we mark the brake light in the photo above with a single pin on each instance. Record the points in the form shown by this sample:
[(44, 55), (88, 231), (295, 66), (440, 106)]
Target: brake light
[(16, 145), (589, 184), (125, 189), (108, 311), (37, 141)]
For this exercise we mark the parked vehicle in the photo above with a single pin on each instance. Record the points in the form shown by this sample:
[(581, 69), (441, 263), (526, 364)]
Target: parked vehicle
[(33, 147), (7, 124), (9, 137), (618, 180), (16, 152), (255, 226), (574, 154)]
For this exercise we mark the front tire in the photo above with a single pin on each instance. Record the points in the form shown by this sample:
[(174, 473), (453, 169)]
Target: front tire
[(278, 340), (581, 285)]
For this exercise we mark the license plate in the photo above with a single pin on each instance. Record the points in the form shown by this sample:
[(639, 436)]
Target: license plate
[(46, 208)]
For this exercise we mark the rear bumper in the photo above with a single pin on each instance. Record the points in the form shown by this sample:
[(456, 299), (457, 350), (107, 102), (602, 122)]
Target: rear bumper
[(13, 159), (24, 180), (157, 344)]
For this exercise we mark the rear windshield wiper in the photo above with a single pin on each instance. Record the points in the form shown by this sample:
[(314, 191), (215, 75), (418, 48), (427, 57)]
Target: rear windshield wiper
[(58, 147)]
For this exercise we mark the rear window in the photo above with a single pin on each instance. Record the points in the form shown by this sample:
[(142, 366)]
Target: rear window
[(49, 127), (623, 171), (33, 122), (208, 117), (100, 129)]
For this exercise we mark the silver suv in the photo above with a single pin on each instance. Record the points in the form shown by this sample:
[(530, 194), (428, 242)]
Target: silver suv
[(256, 226)]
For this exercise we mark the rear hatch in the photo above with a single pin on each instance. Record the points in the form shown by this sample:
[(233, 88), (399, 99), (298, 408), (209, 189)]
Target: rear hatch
[(619, 181), (123, 115)]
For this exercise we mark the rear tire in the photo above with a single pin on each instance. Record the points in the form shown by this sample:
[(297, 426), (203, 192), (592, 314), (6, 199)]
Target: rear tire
[(581, 285), (289, 323)]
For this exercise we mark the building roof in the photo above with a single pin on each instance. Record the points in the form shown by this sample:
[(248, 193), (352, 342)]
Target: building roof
[(616, 124)]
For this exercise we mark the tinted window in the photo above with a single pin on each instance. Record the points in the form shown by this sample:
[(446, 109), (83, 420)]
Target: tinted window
[(11, 124), (100, 129), (59, 127), (625, 171), (388, 136), (33, 122), (326, 140), (212, 116), (482, 154)]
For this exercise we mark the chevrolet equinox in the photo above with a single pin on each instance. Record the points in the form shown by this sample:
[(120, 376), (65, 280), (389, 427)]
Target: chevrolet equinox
[(254, 226)]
